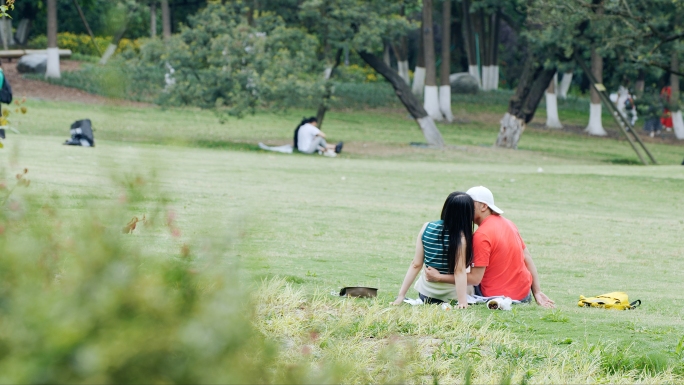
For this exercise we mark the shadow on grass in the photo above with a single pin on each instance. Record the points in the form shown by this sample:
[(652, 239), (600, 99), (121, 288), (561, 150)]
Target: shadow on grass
[(626, 161)]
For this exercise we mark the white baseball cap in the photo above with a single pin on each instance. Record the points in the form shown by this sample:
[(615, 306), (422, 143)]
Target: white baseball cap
[(483, 195)]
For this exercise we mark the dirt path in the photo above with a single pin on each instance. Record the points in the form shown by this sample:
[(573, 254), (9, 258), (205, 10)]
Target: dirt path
[(36, 89)]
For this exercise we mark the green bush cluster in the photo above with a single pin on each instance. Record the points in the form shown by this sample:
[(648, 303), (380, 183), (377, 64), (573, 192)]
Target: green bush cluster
[(83, 45), (81, 301)]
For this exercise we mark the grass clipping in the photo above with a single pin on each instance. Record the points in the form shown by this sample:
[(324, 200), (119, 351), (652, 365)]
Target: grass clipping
[(82, 301)]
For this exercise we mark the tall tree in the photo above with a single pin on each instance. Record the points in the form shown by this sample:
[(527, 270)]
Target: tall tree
[(469, 39), (52, 70), (419, 71), (153, 18), (445, 68), (166, 19), (431, 102), (532, 85), (595, 126)]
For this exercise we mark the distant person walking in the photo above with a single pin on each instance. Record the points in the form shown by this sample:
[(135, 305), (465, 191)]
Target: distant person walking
[(446, 246), (308, 139)]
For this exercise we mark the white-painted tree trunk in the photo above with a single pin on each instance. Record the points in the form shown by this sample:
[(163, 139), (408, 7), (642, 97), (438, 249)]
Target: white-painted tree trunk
[(52, 70), (431, 103), (565, 85), (510, 131), (552, 119), (327, 73), (108, 54), (678, 124), (474, 72), (495, 77), (418, 81), (445, 103), (403, 69), (430, 131), (595, 126), (486, 78)]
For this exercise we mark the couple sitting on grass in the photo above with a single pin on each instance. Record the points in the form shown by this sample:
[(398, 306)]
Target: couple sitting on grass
[(309, 139), (493, 259)]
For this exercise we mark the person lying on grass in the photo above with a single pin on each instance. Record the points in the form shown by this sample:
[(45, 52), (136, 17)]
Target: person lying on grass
[(308, 139), (502, 264), (446, 246)]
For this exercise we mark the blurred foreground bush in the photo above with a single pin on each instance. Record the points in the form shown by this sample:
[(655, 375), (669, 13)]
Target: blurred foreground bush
[(82, 302)]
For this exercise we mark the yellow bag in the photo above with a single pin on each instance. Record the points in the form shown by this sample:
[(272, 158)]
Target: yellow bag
[(617, 300)]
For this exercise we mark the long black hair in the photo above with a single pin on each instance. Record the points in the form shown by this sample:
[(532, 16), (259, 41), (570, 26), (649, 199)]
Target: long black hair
[(457, 215), (296, 131)]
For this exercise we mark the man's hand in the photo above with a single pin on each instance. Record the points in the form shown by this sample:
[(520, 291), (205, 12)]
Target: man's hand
[(544, 301), (462, 305), (398, 301), (432, 274)]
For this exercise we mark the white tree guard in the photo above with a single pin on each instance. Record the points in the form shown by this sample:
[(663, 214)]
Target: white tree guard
[(552, 119), (403, 68), (472, 70), (418, 81), (445, 103), (510, 131), (431, 103), (678, 124), (430, 131), (565, 85), (52, 70), (595, 126)]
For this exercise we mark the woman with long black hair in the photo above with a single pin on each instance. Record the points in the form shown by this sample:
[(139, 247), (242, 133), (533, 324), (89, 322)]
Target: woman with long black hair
[(445, 245)]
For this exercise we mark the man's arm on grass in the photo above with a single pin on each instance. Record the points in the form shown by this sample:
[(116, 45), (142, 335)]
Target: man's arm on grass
[(540, 297), (474, 277), (413, 270)]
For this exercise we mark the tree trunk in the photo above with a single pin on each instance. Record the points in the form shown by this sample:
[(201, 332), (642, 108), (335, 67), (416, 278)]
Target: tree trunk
[(52, 70), (445, 69), (484, 34), (469, 40), (523, 104), (401, 52), (166, 19), (552, 119), (419, 72), (595, 126), (153, 19), (412, 104), (640, 84), (494, 63), (323, 107), (115, 42), (677, 121), (565, 85), (431, 102)]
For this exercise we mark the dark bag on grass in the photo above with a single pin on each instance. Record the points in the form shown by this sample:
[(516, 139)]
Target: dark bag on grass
[(5, 92), (81, 134)]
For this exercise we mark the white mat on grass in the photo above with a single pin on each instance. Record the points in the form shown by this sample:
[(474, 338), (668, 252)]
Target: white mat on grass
[(285, 149)]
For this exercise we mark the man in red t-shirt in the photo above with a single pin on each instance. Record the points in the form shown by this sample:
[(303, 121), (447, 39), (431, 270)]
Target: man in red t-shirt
[(502, 264)]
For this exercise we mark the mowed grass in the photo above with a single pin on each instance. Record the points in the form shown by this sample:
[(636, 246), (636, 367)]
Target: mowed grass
[(321, 224)]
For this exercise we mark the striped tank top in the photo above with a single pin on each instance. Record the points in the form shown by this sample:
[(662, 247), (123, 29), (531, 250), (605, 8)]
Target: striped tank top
[(435, 245)]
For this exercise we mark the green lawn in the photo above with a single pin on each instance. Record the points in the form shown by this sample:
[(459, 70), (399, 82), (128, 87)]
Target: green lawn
[(321, 224)]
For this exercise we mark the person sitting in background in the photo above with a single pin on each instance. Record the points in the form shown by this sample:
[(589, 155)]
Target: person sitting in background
[(308, 139)]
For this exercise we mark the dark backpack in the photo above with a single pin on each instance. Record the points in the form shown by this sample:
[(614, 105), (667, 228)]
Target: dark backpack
[(81, 134), (6, 92)]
